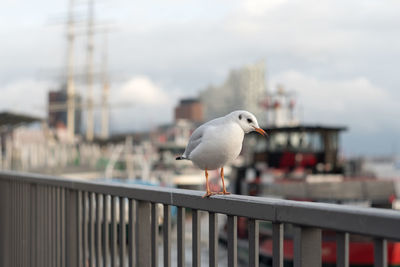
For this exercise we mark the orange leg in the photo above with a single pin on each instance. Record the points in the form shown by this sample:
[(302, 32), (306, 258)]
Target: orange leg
[(208, 193), (223, 183)]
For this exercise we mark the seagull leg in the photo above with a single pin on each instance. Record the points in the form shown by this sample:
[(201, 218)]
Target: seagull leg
[(223, 183), (208, 193)]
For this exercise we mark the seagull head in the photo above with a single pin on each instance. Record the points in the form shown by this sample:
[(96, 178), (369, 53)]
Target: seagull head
[(246, 121)]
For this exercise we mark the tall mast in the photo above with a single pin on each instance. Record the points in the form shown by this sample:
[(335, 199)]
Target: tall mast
[(90, 48), (105, 93), (70, 74)]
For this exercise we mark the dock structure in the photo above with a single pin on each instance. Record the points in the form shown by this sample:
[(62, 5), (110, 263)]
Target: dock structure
[(50, 221)]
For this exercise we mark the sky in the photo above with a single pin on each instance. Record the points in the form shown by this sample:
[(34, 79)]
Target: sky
[(340, 57)]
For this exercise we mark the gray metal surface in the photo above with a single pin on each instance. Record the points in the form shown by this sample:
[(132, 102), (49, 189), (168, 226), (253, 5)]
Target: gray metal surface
[(213, 239), (143, 233), (49, 221), (181, 237), (154, 235), (167, 235), (253, 243), (306, 247), (131, 233), (277, 244), (114, 236), (106, 233), (380, 253), (322, 215), (342, 249), (122, 232), (232, 241), (99, 256), (196, 236)]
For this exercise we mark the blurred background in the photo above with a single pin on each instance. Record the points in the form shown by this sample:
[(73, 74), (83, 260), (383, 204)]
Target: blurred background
[(113, 89)]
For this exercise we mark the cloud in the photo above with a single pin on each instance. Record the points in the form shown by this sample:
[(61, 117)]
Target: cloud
[(150, 104), (140, 90), (260, 7), (14, 96)]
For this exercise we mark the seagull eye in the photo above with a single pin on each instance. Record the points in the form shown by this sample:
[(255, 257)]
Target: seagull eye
[(240, 117), (249, 121)]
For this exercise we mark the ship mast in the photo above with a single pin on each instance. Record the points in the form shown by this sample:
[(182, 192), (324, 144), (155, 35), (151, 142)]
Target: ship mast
[(70, 75)]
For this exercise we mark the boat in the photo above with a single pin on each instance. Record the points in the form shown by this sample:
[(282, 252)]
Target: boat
[(301, 162)]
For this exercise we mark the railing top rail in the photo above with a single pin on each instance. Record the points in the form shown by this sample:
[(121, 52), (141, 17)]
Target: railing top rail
[(366, 221)]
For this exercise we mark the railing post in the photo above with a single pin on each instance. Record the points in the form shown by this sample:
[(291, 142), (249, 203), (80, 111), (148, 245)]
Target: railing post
[(143, 234), (232, 241), (342, 249), (253, 243), (307, 247), (71, 224), (277, 244), (380, 252)]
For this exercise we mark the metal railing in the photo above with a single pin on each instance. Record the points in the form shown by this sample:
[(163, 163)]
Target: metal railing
[(48, 221)]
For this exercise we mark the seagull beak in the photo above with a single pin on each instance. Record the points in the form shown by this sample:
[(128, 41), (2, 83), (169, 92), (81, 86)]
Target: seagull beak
[(260, 131)]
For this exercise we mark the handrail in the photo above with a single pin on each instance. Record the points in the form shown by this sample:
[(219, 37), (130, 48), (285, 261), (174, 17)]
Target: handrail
[(358, 220)]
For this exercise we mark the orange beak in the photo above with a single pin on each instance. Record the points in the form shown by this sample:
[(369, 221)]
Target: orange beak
[(260, 131)]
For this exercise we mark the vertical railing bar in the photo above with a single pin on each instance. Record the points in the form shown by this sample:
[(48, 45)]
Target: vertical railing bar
[(181, 236), (29, 222), (277, 245), (213, 239), (106, 239), (380, 252), (79, 228), (48, 227), (307, 246), (91, 230), (122, 232), (98, 230), (232, 240), (15, 223), (154, 235), (196, 238), (21, 218), (54, 222), (21, 225), (85, 228), (342, 249), (253, 243), (18, 224), (113, 232), (143, 233), (39, 225), (58, 230), (33, 230), (167, 235), (131, 237), (8, 205), (12, 230), (63, 233), (71, 226)]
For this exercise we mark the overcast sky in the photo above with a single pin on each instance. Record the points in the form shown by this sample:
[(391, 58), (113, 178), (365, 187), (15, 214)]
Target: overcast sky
[(341, 57)]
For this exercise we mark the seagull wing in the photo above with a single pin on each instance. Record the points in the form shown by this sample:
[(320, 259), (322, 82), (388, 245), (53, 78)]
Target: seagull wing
[(194, 141), (198, 134)]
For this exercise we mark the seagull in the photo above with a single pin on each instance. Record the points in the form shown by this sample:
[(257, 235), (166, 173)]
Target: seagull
[(218, 142)]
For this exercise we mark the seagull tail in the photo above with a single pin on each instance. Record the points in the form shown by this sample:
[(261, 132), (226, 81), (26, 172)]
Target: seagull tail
[(180, 158)]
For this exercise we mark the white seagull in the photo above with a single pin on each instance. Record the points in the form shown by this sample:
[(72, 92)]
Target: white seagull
[(219, 141)]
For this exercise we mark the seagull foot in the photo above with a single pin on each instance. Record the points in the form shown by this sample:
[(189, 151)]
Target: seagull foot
[(224, 193), (208, 194)]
